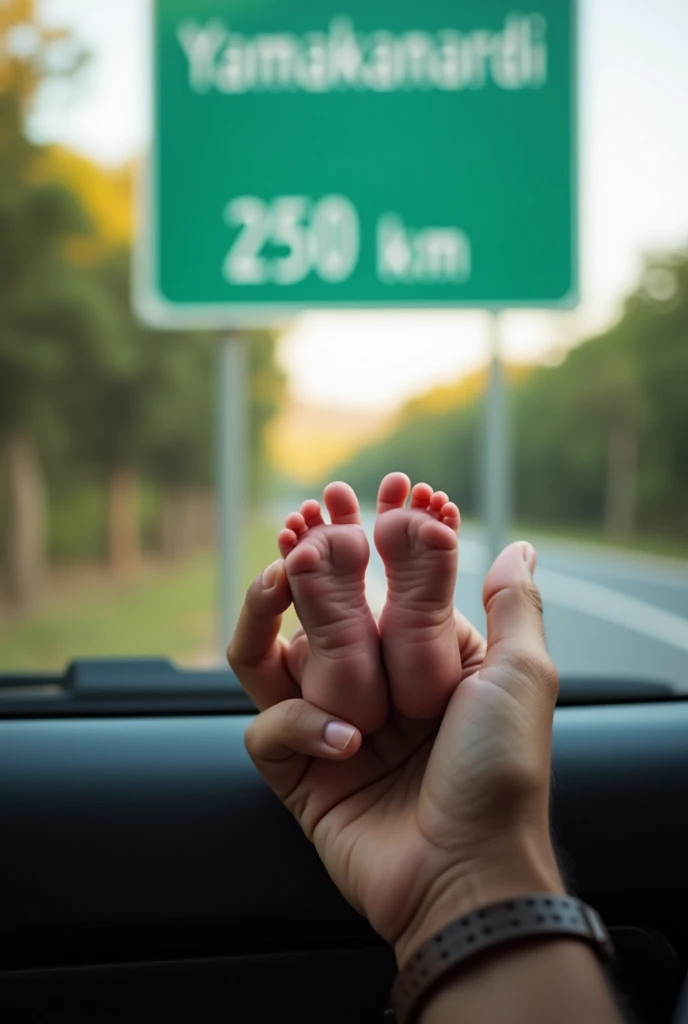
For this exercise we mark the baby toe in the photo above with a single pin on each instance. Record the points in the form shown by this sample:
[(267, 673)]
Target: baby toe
[(312, 513), (450, 515), (286, 541), (296, 522), (421, 495)]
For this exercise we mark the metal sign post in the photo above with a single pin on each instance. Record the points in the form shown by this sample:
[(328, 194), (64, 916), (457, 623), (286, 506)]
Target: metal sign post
[(231, 476), (497, 464)]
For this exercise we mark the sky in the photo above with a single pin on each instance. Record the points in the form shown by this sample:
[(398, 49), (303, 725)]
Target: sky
[(633, 195)]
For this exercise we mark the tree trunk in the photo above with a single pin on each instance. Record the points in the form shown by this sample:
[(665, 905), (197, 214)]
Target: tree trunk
[(203, 519), (173, 526), (187, 522), (621, 481), (25, 550), (207, 519), (124, 540)]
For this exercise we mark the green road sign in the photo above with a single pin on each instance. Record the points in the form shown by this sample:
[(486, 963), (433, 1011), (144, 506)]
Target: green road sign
[(322, 154)]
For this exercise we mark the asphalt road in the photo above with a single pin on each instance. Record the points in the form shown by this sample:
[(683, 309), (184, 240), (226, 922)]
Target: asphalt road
[(607, 614)]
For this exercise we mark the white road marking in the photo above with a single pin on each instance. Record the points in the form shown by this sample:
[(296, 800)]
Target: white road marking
[(614, 607), (592, 599)]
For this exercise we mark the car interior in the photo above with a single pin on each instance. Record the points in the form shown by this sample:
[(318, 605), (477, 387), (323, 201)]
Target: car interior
[(250, 248), (150, 874)]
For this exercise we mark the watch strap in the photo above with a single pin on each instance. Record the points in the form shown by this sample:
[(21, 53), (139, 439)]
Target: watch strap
[(523, 917)]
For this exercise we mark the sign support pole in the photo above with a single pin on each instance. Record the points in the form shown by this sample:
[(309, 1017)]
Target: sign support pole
[(231, 448), (497, 480)]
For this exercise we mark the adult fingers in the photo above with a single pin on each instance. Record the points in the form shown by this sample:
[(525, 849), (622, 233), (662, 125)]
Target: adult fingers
[(472, 644), (515, 629), (296, 655), (257, 652), (282, 739)]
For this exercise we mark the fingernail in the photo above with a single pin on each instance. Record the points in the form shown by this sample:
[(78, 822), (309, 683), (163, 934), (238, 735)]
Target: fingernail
[(269, 577), (338, 735), (529, 557)]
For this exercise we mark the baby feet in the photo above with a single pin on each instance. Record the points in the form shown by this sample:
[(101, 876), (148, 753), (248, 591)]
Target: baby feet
[(419, 548), (326, 566), (342, 669)]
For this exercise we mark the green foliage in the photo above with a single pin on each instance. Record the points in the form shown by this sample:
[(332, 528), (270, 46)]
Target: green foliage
[(632, 379), (147, 399), (136, 398), (31, 51), (267, 385), (94, 389), (144, 400), (442, 449), (658, 336), (43, 319), (77, 519)]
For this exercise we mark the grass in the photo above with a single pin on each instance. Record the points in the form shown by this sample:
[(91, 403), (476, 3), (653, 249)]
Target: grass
[(169, 611)]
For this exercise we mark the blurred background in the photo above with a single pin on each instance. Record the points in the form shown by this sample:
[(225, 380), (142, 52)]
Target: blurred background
[(107, 429)]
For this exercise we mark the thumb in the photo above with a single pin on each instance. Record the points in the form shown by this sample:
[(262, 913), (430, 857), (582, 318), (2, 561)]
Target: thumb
[(515, 628)]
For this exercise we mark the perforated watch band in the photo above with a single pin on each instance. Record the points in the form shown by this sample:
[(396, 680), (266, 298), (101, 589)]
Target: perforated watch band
[(539, 914)]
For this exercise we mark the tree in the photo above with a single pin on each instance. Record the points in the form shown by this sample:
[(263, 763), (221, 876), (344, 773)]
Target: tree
[(38, 299), (106, 405), (267, 390), (143, 402), (656, 324), (81, 381), (177, 449), (180, 444), (600, 440), (32, 52)]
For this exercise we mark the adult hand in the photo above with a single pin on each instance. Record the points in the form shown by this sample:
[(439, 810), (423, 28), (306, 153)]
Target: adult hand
[(421, 821)]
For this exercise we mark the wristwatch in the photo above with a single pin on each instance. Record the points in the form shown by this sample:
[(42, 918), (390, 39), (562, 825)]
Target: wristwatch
[(523, 917)]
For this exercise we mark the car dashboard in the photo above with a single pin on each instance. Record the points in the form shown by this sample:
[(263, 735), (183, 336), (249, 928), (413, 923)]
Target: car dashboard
[(149, 873)]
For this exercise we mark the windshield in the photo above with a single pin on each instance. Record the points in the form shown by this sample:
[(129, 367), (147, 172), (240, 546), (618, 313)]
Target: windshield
[(247, 252)]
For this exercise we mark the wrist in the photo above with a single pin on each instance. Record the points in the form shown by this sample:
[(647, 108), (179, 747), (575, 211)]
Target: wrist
[(534, 980), (517, 868)]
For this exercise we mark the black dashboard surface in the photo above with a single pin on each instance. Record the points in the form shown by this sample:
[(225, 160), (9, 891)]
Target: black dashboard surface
[(133, 844)]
